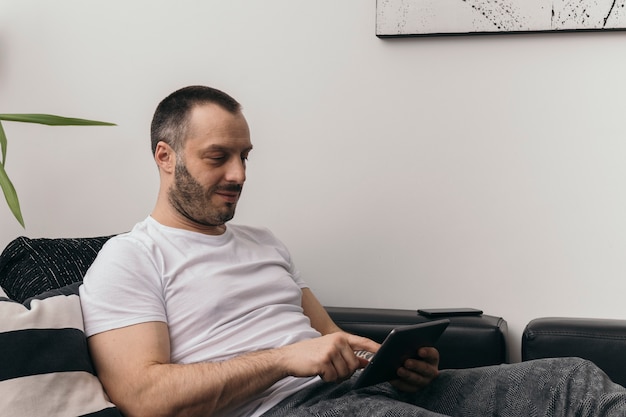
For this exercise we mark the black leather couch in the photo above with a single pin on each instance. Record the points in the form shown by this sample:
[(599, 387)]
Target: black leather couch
[(29, 267)]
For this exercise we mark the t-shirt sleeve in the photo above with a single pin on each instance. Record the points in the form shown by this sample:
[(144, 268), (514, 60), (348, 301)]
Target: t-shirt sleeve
[(284, 252), (297, 276), (123, 287)]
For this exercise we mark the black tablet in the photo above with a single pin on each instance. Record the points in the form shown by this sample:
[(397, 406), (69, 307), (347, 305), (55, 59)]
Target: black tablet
[(400, 344)]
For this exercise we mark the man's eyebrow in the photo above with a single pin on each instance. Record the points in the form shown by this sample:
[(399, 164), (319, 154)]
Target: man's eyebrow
[(222, 148)]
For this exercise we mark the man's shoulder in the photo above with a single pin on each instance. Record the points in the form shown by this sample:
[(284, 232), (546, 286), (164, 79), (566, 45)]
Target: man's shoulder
[(138, 238)]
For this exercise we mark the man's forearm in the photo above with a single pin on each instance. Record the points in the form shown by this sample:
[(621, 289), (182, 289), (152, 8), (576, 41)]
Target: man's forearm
[(200, 389), (205, 388)]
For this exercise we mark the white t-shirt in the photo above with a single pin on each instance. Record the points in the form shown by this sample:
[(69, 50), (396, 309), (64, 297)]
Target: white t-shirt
[(221, 296)]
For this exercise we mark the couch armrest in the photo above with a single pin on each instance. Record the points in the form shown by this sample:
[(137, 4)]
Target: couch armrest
[(602, 341), (467, 342)]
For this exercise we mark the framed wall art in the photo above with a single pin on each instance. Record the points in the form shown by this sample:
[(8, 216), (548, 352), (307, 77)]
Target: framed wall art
[(458, 17)]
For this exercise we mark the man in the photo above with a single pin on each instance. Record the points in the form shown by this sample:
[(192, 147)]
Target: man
[(189, 316)]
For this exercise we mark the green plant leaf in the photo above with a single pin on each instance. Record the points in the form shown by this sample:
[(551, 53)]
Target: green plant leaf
[(52, 120), (11, 195), (46, 119), (3, 145)]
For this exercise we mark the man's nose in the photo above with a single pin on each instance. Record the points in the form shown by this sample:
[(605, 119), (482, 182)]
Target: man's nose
[(236, 171)]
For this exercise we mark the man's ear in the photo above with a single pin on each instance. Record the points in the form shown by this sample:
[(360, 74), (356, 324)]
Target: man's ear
[(165, 157)]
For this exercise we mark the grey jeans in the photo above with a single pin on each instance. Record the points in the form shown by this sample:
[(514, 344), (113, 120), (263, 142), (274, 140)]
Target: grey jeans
[(547, 387)]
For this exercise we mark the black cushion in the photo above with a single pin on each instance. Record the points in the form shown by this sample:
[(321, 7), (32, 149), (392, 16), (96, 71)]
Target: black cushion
[(32, 266)]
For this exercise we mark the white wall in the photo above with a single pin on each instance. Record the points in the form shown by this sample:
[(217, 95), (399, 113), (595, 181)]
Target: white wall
[(427, 172)]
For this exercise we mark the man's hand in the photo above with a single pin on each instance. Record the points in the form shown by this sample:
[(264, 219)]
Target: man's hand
[(418, 373), (331, 356)]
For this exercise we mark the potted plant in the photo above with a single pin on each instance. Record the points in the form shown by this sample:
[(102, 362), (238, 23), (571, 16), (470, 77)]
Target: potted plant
[(47, 119)]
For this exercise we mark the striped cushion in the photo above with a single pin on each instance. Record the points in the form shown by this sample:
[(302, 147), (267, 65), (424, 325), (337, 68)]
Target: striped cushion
[(45, 368)]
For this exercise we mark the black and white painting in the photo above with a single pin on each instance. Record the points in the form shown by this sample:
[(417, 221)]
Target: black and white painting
[(429, 17)]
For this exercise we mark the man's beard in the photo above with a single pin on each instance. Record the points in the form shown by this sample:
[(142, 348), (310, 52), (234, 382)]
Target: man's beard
[(194, 202)]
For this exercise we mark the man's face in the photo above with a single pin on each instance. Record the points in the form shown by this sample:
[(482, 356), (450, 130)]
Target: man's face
[(211, 168)]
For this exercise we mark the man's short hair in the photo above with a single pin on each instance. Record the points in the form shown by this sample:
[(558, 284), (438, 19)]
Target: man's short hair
[(171, 118)]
